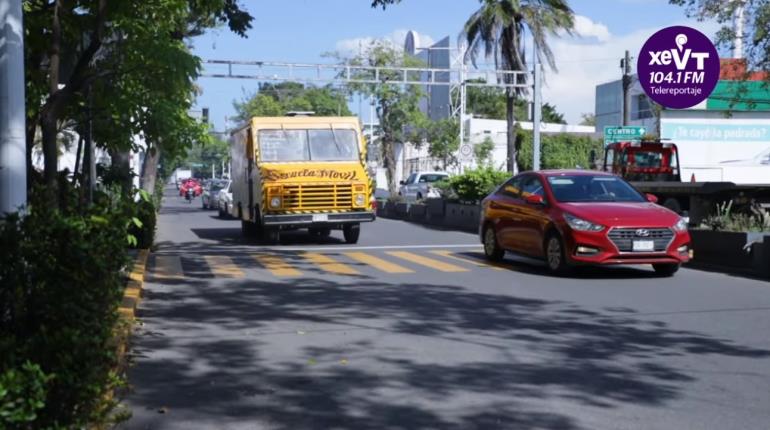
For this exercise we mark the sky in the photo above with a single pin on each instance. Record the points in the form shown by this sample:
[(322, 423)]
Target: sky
[(301, 31)]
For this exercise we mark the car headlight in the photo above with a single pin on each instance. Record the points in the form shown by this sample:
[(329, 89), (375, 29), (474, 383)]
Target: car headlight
[(275, 202), (360, 200), (681, 225), (580, 224)]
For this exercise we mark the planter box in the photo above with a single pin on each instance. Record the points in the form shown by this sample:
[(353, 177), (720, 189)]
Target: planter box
[(723, 248), (434, 210), (462, 216), (417, 212), (389, 210), (402, 210)]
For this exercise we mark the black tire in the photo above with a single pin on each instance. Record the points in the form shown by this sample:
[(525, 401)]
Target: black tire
[(665, 270), (223, 212), (492, 249), (419, 196), (271, 236), (351, 233), (555, 257), (322, 232), (248, 229)]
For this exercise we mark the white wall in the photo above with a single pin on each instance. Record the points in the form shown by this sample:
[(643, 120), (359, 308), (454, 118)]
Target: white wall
[(719, 148)]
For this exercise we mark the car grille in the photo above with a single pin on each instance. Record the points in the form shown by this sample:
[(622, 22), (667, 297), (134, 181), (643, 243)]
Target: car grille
[(623, 238), (317, 196)]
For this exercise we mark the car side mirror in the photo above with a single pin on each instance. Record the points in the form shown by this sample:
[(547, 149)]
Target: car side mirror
[(651, 198), (402, 182), (535, 199)]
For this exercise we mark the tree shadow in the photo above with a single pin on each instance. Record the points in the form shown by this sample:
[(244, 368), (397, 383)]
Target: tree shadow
[(213, 355)]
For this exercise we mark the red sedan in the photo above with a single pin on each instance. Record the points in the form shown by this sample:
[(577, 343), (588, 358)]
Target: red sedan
[(582, 217)]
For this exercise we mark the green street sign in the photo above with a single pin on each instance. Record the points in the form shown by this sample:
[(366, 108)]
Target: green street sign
[(623, 134), (196, 165)]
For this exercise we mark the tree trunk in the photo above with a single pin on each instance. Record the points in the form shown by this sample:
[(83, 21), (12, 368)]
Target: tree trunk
[(49, 115), (150, 170), (31, 129), (510, 100), (121, 162)]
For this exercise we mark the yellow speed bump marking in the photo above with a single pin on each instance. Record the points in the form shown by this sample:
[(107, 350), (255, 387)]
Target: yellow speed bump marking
[(427, 262), (471, 260), (221, 265), (276, 265), (328, 264), (378, 263), (168, 267)]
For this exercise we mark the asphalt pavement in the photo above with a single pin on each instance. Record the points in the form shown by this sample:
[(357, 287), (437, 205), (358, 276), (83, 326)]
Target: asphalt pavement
[(411, 329)]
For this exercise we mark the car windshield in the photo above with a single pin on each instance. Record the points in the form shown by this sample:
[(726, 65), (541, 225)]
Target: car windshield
[(308, 145), (587, 188)]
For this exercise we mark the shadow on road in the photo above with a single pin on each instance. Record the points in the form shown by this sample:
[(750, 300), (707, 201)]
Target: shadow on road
[(555, 349)]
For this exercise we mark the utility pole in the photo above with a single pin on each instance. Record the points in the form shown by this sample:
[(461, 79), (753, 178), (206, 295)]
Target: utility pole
[(13, 161), (536, 117), (625, 64)]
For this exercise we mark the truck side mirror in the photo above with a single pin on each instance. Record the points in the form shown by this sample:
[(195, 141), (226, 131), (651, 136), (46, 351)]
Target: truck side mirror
[(402, 182), (592, 159)]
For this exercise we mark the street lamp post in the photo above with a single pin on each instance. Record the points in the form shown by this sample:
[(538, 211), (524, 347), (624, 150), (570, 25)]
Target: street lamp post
[(13, 162)]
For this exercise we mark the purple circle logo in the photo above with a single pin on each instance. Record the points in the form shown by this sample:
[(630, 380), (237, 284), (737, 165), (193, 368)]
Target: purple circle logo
[(678, 67)]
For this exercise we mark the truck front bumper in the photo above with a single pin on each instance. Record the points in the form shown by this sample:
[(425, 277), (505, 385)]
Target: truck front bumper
[(317, 220)]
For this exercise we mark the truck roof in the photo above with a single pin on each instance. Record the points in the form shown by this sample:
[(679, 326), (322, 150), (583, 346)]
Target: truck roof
[(258, 122)]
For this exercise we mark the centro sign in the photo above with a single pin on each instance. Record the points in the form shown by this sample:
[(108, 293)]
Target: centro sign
[(678, 67)]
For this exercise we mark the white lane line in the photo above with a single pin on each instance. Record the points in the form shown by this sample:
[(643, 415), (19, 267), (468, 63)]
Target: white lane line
[(353, 248)]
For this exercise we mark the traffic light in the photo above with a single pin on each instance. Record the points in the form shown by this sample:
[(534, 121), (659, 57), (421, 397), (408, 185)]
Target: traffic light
[(205, 115)]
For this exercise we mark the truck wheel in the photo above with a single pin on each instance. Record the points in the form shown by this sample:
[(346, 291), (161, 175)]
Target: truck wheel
[(665, 270), (673, 204), (271, 236), (351, 233), (322, 232), (221, 212), (248, 228)]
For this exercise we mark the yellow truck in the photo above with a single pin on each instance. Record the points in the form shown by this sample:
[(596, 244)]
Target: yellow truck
[(300, 172)]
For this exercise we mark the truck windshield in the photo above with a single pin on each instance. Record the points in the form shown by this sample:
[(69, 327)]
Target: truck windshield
[(648, 159), (308, 145), (587, 188)]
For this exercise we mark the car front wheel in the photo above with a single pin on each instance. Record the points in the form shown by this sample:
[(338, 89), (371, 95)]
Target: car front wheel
[(492, 249), (665, 270), (555, 256)]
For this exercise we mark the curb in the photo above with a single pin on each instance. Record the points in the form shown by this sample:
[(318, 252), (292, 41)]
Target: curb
[(133, 292), (127, 309)]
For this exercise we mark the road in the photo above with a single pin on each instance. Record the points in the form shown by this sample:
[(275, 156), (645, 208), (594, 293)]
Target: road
[(410, 329)]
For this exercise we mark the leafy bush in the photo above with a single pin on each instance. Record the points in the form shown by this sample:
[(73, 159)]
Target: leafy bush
[(22, 395), (473, 185), (558, 151), (60, 285), (755, 219), (142, 226)]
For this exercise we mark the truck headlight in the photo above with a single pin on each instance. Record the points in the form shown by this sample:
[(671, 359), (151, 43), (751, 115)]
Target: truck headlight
[(580, 224), (360, 200), (681, 225), (275, 202)]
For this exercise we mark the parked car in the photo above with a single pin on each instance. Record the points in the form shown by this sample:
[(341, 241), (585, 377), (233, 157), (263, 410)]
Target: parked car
[(210, 196), (582, 217), (419, 185), (225, 200)]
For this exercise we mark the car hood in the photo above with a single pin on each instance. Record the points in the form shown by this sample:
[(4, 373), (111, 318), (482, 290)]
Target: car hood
[(616, 214)]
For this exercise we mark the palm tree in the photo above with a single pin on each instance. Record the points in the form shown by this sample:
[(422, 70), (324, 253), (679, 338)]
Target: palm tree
[(498, 28)]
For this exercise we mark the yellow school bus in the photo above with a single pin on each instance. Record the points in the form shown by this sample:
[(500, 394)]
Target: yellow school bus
[(300, 172)]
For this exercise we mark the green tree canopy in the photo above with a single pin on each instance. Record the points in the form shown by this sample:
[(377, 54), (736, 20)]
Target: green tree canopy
[(278, 99)]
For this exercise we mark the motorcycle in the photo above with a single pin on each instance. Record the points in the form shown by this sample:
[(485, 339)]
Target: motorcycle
[(189, 195)]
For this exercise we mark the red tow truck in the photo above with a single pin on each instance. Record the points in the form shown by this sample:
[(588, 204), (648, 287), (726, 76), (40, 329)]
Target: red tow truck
[(652, 166)]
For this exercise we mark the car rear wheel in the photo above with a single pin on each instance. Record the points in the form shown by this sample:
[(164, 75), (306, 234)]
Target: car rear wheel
[(665, 270), (492, 249), (351, 233), (554, 255)]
